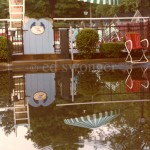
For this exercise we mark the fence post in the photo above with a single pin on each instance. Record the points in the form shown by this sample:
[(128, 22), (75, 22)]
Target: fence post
[(64, 43), (128, 27), (148, 33)]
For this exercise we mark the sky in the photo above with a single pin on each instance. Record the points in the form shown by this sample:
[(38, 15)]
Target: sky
[(13, 142)]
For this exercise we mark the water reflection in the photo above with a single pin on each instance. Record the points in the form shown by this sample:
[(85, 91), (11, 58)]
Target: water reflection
[(40, 89), (76, 109)]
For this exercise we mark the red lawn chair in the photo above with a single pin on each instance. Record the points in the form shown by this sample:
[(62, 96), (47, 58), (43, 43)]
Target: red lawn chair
[(133, 43)]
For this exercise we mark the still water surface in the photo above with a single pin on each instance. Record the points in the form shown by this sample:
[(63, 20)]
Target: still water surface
[(105, 107)]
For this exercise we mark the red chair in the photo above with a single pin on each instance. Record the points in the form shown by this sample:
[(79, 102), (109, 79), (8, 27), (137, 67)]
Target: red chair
[(133, 43), (135, 85)]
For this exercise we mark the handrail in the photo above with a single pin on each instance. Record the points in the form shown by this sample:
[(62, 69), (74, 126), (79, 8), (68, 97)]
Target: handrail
[(106, 18)]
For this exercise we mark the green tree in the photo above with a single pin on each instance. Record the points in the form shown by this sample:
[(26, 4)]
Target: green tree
[(40, 8), (71, 8), (5, 87), (124, 6), (105, 10), (4, 9), (129, 6)]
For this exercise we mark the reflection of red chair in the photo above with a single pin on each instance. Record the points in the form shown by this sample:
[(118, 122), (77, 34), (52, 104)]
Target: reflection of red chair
[(133, 43), (135, 85)]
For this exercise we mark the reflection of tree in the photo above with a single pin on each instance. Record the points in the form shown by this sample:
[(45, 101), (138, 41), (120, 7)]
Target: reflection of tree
[(5, 87), (88, 84), (8, 121), (48, 128), (132, 134)]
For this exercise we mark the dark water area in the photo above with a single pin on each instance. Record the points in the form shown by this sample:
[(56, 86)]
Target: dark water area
[(79, 107)]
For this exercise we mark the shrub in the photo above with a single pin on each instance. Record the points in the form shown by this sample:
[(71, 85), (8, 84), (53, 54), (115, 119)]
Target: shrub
[(86, 42), (3, 48), (112, 49), (88, 84)]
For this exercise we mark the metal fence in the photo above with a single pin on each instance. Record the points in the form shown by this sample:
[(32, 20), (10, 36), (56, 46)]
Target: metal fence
[(108, 31), (15, 35)]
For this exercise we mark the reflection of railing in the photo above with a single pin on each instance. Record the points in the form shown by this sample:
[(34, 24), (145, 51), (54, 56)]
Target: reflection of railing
[(21, 107)]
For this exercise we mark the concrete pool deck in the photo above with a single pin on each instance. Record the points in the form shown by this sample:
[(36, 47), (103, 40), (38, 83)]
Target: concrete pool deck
[(33, 63), (60, 61)]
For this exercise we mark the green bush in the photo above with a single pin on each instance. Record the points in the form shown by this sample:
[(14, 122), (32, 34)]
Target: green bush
[(86, 42), (112, 49), (3, 48)]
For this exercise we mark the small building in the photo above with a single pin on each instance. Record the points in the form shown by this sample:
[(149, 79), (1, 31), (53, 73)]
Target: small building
[(120, 21)]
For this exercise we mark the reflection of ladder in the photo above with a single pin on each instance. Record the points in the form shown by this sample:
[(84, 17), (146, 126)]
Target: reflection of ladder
[(21, 107), (21, 114)]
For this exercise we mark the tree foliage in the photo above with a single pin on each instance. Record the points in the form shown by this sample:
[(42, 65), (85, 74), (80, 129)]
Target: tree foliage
[(72, 8), (105, 10), (37, 8), (4, 9), (65, 9)]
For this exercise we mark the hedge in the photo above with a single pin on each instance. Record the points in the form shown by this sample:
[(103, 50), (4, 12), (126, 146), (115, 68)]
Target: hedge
[(4, 44), (112, 49)]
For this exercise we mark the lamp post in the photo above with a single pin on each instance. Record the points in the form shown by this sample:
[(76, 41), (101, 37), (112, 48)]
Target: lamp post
[(85, 13)]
